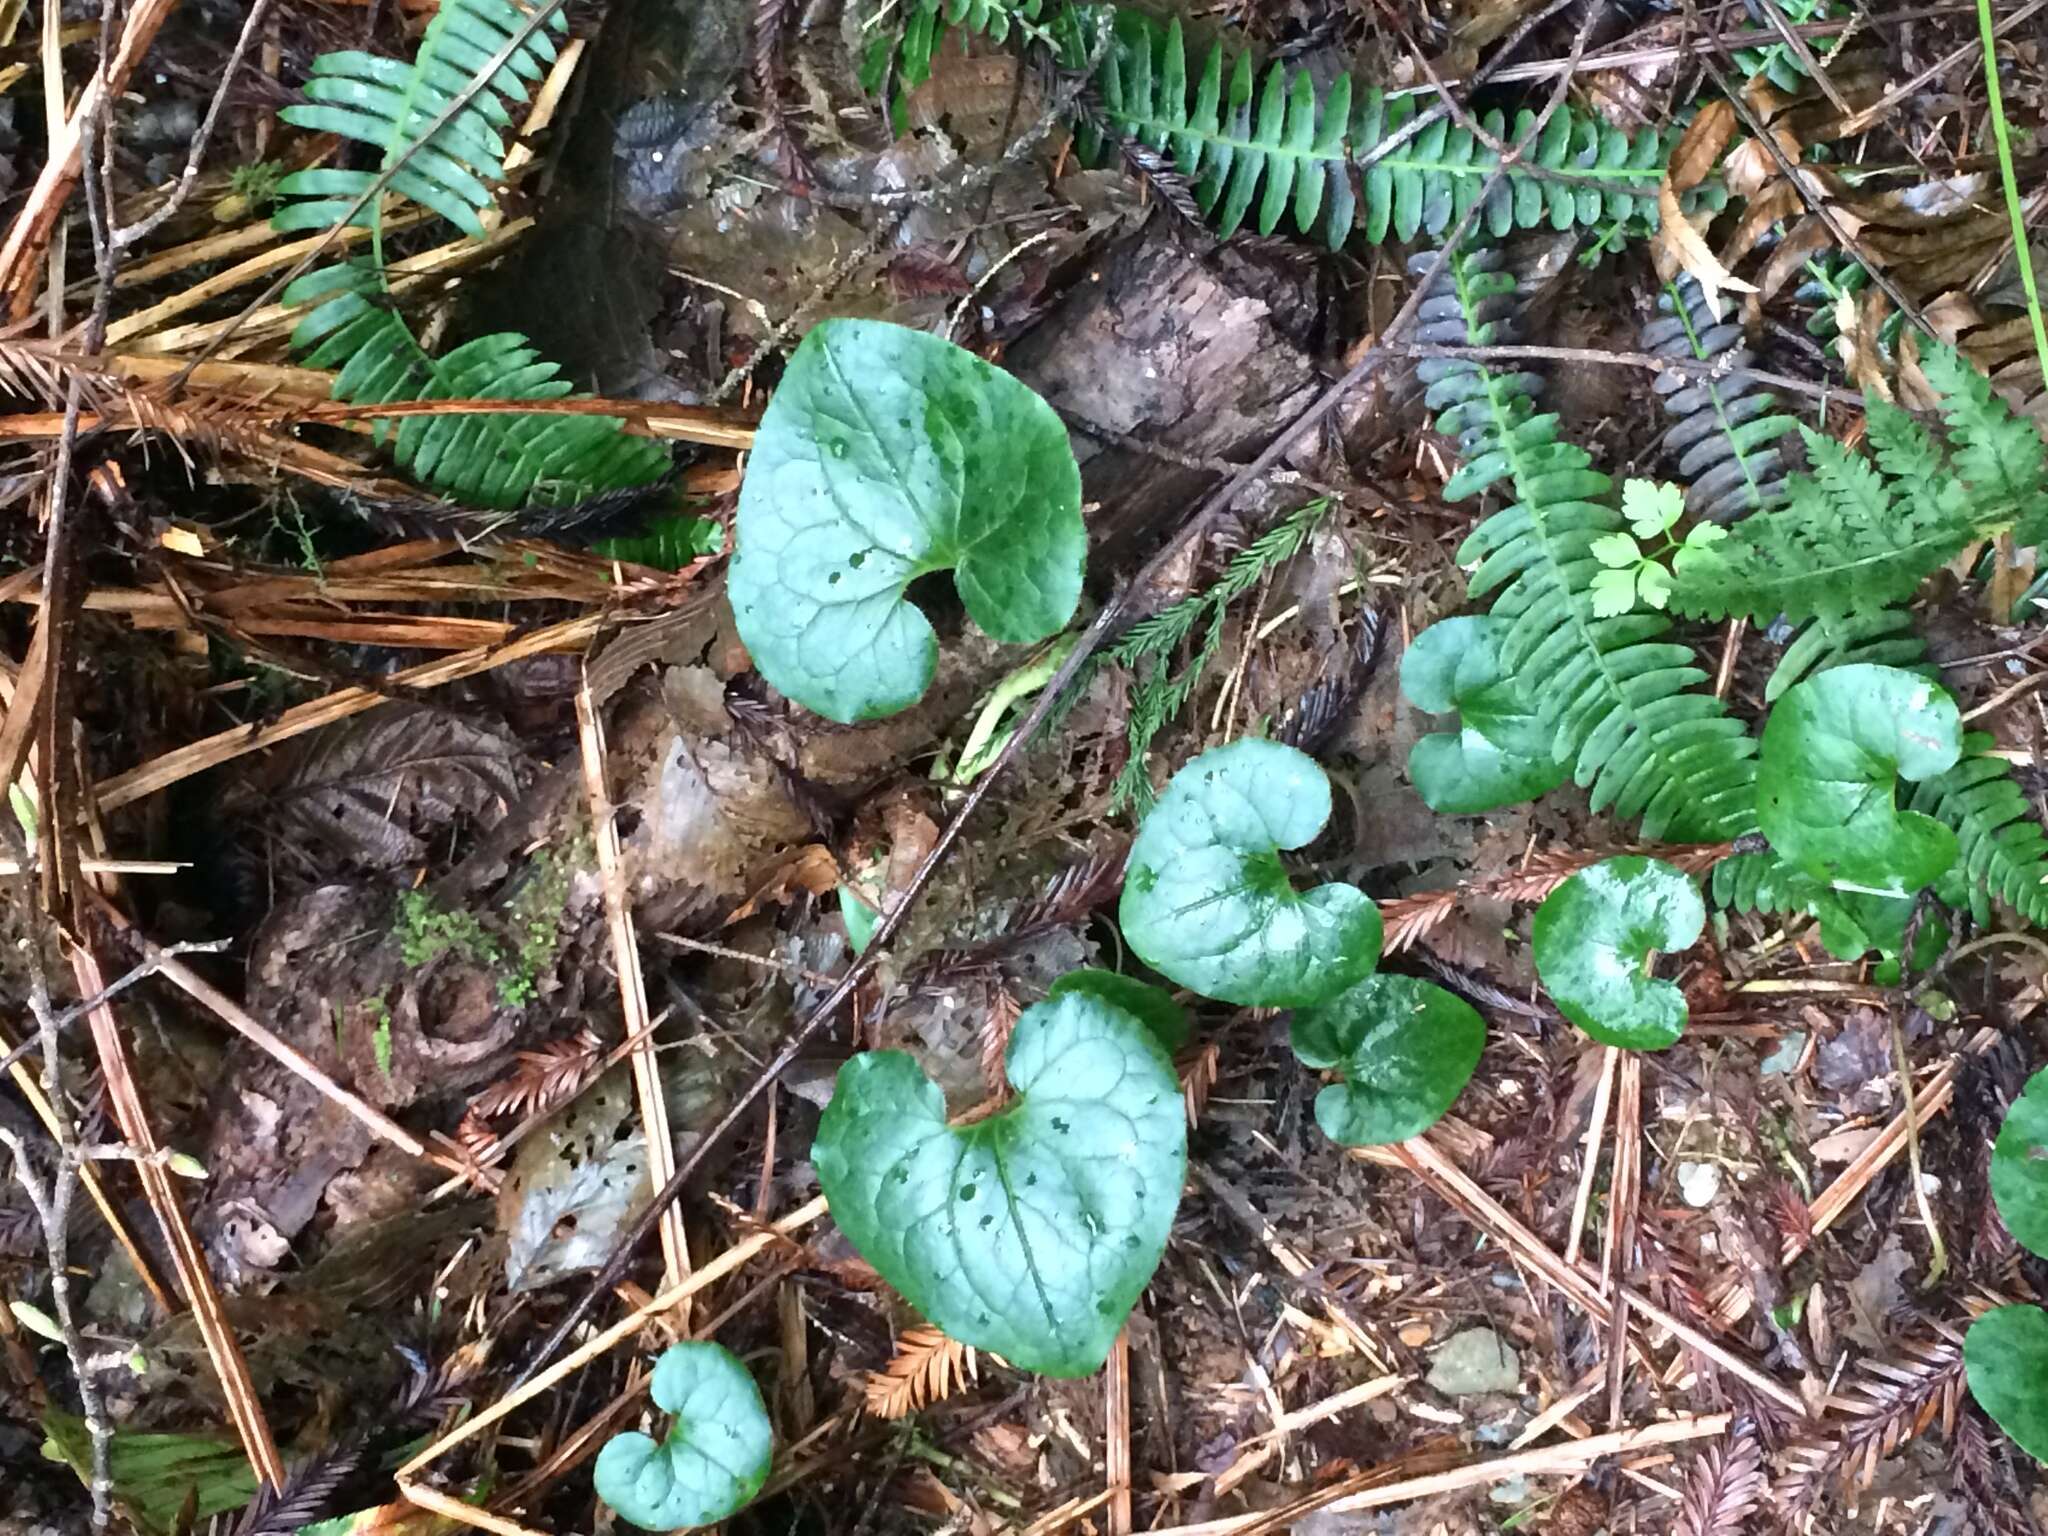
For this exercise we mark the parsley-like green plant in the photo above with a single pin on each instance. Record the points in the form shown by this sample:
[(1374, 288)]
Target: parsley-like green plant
[(715, 1456), (885, 455), (2006, 1350), (1208, 903), (1633, 574), (1032, 1232), (1595, 938), (1403, 1050)]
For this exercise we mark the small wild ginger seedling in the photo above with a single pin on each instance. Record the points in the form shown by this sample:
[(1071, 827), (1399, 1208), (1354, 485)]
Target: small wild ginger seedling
[(1501, 752), (1832, 750), (1592, 941), (1032, 1232), (1208, 903), (1404, 1049), (2006, 1350), (715, 1456), (885, 455)]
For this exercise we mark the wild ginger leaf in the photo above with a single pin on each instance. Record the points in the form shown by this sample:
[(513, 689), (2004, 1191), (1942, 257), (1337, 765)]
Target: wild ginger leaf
[(1832, 751), (2019, 1169), (1500, 753), (1030, 1233), (1592, 936), (716, 1453), (885, 455), (1208, 903), (2006, 1356), (1405, 1049)]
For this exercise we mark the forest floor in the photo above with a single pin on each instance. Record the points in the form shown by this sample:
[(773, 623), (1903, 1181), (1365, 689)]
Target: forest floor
[(460, 879)]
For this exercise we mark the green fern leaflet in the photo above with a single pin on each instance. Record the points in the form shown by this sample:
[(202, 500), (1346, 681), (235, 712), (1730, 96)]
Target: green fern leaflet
[(485, 460)]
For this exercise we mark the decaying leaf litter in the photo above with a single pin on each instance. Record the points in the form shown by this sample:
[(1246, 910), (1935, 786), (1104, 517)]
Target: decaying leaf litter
[(415, 859)]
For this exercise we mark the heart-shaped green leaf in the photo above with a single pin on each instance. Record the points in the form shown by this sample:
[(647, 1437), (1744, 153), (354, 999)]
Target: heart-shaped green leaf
[(1207, 902), (715, 1456), (2019, 1170), (1405, 1047), (1832, 752), (887, 454), (1155, 1009), (1500, 753), (1030, 1233), (2006, 1356), (1592, 939)]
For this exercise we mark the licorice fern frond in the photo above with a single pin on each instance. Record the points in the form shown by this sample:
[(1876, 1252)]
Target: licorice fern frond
[(1730, 432), (495, 461), (1274, 151), (1860, 534), (2004, 851), (1471, 302), (1619, 700)]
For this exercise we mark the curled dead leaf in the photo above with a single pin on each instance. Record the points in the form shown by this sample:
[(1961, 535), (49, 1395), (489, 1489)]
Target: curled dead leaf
[(1699, 148), (1680, 247)]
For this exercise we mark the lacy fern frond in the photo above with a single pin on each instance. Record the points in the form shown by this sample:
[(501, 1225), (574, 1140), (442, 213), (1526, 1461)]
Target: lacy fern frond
[(1618, 698), (1273, 151), (2004, 851), (1885, 638), (1860, 534), (485, 460), (1729, 436)]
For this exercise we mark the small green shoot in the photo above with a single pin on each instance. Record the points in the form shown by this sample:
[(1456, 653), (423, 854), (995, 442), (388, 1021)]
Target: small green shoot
[(1073, 1185), (1632, 575), (1208, 903), (715, 1456), (1404, 1049), (1594, 940)]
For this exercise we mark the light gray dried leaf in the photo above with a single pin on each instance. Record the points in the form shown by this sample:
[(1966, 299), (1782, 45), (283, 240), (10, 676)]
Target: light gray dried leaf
[(573, 1186)]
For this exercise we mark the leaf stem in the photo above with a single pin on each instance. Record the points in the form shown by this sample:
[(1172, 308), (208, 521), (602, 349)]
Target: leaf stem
[(2002, 135)]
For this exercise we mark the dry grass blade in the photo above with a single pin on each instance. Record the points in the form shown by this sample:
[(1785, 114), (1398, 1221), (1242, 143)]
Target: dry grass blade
[(1725, 1485), (927, 1368)]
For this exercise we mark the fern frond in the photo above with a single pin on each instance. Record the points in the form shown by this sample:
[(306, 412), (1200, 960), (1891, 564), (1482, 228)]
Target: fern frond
[(391, 107), (1885, 638), (1860, 534), (495, 461), (2004, 851), (1730, 433), (1617, 697), (1997, 454), (482, 459), (1472, 296), (925, 24), (1273, 150)]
